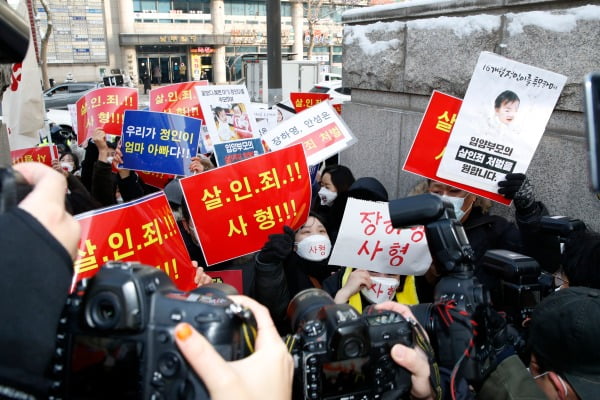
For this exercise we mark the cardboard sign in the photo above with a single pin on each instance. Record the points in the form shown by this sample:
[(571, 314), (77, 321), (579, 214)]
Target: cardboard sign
[(104, 108), (143, 230), (43, 154), (228, 153), (159, 142), (501, 122), (319, 128), (430, 142), (367, 240), (302, 101), (236, 207)]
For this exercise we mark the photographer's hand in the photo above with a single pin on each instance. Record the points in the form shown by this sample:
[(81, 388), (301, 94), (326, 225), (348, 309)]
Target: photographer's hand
[(266, 374), (413, 359), (46, 203)]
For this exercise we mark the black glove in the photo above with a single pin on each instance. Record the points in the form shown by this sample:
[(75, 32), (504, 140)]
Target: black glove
[(278, 247), (517, 187)]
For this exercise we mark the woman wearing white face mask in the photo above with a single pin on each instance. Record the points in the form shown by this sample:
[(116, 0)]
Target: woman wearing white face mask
[(78, 198), (332, 196), (289, 263)]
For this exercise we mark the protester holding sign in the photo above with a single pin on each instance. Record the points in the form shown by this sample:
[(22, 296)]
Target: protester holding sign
[(290, 262), (485, 231), (105, 182), (361, 287)]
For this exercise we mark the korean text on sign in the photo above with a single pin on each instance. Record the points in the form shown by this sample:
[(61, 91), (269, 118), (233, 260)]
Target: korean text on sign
[(104, 108), (367, 240), (430, 143), (144, 230), (159, 142), (236, 207), (318, 128)]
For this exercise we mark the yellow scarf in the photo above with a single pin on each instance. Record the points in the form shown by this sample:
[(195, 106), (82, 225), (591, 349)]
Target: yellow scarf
[(408, 295)]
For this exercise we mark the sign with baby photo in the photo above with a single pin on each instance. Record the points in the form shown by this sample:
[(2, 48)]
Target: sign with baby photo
[(367, 240), (501, 122), (430, 143)]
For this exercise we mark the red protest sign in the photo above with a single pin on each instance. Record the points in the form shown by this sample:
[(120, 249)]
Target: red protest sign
[(302, 101), (143, 230), (43, 154), (231, 277), (430, 142), (236, 207), (156, 179), (104, 108), (179, 98)]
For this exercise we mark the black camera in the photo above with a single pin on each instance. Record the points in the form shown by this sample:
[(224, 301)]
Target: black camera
[(462, 304), (13, 188), (116, 340), (341, 354)]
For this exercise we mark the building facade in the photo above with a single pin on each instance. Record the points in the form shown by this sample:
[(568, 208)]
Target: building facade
[(174, 40)]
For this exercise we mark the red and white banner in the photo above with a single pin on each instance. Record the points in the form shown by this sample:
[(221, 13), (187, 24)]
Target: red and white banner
[(236, 207), (367, 240), (22, 103), (301, 101), (43, 154), (142, 230), (104, 108), (430, 142)]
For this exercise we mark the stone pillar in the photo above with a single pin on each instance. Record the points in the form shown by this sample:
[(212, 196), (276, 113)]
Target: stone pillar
[(298, 25), (128, 54), (217, 12)]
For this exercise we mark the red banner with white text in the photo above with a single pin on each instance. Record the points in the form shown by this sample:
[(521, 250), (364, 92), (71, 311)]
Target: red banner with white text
[(104, 108), (236, 207), (143, 230)]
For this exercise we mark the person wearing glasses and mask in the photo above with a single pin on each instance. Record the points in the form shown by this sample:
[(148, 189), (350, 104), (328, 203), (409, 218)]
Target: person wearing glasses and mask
[(486, 231)]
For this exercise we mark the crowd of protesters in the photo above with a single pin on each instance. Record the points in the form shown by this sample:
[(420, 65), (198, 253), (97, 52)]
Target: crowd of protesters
[(282, 268)]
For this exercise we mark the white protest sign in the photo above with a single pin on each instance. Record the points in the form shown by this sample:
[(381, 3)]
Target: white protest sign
[(367, 240), (501, 121), (227, 113), (319, 128)]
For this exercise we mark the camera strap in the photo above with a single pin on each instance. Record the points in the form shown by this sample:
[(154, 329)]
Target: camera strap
[(420, 339)]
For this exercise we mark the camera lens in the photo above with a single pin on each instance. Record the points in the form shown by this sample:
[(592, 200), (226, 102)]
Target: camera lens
[(103, 311), (306, 304)]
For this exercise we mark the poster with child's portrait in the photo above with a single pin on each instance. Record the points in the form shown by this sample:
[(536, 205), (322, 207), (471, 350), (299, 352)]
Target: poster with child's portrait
[(501, 121), (228, 113)]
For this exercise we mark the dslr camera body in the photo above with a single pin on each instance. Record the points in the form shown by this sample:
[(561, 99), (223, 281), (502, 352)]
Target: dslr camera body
[(116, 338), (341, 354), (460, 299)]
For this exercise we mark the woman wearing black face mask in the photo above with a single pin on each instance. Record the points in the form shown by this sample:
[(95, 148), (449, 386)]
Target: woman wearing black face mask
[(289, 263)]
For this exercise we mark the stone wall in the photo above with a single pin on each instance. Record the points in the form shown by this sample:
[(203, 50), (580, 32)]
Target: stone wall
[(396, 55)]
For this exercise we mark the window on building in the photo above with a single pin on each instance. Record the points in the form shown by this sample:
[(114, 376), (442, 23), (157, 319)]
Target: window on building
[(164, 6), (286, 9), (148, 5)]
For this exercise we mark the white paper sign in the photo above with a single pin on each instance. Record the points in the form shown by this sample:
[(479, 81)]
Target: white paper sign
[(319, 128), (367, 240), (228, 114), (501, 121)]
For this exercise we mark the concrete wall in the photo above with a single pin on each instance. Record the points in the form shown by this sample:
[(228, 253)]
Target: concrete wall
[(395, 55)]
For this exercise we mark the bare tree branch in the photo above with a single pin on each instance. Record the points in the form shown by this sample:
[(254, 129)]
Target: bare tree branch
[(44, 47)]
